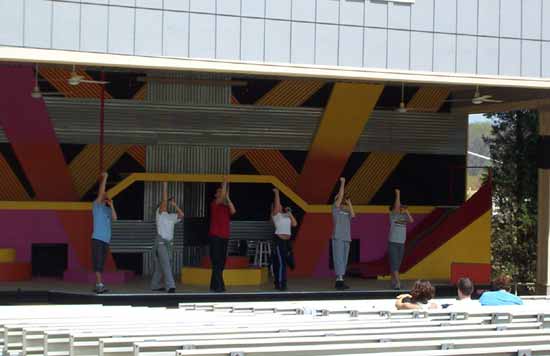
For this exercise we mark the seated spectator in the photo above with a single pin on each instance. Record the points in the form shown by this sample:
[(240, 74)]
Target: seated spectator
[(464, 301), (421, 294), (500, 294)]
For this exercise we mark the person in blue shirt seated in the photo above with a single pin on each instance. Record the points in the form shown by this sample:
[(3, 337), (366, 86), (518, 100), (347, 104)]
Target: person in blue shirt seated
[(500, 295)]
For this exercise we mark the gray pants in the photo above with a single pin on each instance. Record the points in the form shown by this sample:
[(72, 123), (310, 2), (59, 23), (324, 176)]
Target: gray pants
[(395, 254), (162, 253), (340, 253)]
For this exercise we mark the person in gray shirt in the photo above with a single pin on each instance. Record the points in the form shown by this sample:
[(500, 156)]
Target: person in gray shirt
[(399, 218), (341, 234)]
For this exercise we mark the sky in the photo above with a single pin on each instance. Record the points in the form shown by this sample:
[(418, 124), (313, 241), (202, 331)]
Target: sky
[(473, 118)]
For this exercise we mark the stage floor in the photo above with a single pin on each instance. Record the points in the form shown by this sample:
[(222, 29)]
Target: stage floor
[(138, 292), (141, 285)]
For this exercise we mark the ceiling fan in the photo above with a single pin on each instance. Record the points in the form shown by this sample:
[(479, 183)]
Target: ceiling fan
[(402, 108), (477, 99), (76, 79), (36, 93)]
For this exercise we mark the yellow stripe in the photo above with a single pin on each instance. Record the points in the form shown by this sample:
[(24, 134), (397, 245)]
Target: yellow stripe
[(12, 189), (290, 93), (372, 174), (237, 153), (428, 99), (85, 169), (44, 205), (272, 162), (141, 93), (138, 153), (198, 178)]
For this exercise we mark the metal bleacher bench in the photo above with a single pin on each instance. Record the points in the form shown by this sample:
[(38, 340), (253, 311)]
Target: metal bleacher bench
[(342, 327)]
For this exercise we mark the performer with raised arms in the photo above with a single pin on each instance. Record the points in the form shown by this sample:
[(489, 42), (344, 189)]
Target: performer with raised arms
[(163, 248), (399, 218), (342, 213), (221, 209), (103, 211), (284, 222)]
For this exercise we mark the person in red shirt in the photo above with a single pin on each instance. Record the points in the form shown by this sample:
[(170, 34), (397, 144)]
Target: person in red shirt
[(221, 209)]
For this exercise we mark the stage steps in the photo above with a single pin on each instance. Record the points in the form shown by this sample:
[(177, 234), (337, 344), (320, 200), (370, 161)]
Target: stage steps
[(10, 269)]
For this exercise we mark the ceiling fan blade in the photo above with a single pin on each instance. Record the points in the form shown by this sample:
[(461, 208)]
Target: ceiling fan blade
[(458, 101), (492, 101), (93, 81), (483, 97)]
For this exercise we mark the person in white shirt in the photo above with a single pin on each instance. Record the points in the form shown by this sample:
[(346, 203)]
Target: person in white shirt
[(284, 222), (464, 302), (164, 242)]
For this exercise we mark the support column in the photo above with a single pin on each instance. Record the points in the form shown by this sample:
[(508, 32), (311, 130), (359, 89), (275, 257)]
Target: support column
[(543, 232)]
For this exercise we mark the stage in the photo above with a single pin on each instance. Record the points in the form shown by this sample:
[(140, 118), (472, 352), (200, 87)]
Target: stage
[(138, 293)]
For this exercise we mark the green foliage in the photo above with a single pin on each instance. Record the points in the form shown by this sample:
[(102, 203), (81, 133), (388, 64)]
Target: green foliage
[(476, 143), (513, 149)]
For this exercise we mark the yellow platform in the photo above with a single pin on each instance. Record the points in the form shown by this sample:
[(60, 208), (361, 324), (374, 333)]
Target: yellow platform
[(232, 277), (7, 255)]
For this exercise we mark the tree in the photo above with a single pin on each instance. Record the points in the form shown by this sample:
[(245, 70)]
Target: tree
[(513, 148)]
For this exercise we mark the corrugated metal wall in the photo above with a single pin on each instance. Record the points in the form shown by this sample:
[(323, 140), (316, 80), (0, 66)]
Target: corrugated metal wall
[(167, 88), (183, 159), (424, 133), (139, 237), (132, 122)]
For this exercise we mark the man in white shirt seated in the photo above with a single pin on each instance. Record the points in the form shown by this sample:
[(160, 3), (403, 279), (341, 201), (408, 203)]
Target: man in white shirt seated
[(464, 302), (164, 242)]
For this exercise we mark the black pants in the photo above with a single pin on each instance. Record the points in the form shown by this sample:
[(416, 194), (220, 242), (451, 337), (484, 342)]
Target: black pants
[(218, 254), (99, 253), (279, 260)]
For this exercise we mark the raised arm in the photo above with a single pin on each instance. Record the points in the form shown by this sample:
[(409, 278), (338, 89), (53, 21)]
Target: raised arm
[(102, 187), (277, 208), (293, 220), (350, 207), (224, 189), (228, 201), (397, 202), (340, 196), (409, 216), (164, 202), (111, 204), (179, 212)]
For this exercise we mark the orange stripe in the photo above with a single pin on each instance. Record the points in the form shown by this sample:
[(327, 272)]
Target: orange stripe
[(237, 153), (84, 167), (372, 174), (290, 93), (272, 162), (428, 99), (12, 189), (141, 93), (58, 78), (234, 100), (138, 153)]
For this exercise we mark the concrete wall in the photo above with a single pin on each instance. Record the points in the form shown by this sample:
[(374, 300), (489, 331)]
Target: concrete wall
[(499, 37)]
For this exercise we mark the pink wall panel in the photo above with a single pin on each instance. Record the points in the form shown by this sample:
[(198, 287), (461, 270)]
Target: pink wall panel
[(20, 229), (372, 232)]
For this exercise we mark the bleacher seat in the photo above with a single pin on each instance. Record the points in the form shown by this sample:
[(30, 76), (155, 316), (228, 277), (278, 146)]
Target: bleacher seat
[(288, 328)]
